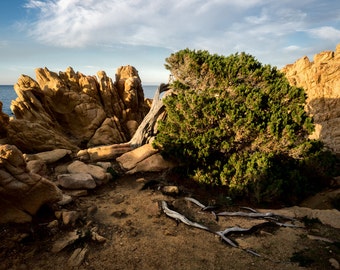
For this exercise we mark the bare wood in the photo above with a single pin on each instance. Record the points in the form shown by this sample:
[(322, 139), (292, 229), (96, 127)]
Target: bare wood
[(146, 129)]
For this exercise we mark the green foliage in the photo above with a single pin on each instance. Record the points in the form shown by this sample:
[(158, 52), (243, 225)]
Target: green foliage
[(237, 123)]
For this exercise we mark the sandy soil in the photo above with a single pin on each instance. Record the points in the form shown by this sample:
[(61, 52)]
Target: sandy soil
[(139, 236)]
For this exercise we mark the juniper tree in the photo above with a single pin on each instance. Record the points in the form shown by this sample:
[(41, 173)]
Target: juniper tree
[(235, 122)]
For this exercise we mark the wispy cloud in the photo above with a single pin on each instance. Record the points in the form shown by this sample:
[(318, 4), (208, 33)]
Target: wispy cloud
[(222, 26), (325, 32)]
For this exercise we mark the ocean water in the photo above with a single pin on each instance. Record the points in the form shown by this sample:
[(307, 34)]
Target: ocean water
[(149, 90), (7, 94)]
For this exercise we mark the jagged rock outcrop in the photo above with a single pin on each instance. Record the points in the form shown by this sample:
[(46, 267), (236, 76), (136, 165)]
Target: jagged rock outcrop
[(22, 192), (70, 110), (321, 81)]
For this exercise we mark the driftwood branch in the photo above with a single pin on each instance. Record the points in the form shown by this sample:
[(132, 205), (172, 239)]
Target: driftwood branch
[(146, 129), (224, 234)]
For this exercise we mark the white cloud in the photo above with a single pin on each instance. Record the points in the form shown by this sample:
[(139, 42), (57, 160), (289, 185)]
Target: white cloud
[(325, 32), (260, 27)]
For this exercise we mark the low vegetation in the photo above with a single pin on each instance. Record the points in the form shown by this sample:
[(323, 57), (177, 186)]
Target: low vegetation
[(236, 123)]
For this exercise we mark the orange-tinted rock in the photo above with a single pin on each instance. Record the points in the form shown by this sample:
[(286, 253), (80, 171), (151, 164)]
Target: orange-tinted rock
[(321, 81)]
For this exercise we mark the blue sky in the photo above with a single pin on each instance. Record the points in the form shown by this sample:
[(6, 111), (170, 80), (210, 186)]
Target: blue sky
[(93, 35)]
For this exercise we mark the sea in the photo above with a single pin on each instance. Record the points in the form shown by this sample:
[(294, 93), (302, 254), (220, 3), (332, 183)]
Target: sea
[(7, 94)]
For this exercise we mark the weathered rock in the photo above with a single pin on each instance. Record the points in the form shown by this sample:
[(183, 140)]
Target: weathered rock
[(69, 110), (22, 192), (96, 172), (37, 166), (49, 156), (130, 159), (321, 81), (143, 159), (76, 181), (103, 152)]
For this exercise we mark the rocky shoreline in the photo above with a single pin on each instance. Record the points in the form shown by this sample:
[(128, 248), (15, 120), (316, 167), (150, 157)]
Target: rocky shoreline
[(70, 137)]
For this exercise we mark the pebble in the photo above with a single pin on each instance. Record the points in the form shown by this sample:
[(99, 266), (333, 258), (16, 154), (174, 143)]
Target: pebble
[(170, 190), (70, 217), (334, 263), (65, 200)]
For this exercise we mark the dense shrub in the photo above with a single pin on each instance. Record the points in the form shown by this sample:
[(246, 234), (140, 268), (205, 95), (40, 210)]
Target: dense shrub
[(235, 122)]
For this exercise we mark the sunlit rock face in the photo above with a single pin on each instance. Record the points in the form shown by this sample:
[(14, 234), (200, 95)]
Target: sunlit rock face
[(321, 80), (71, 110)]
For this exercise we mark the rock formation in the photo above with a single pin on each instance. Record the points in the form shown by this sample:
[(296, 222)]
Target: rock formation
[(70, 110), (321, 81), (22, 192)]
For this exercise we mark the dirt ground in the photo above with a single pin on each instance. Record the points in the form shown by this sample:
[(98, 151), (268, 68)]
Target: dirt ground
[(140, 236)]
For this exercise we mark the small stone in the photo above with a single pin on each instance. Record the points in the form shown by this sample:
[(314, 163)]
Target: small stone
[(77, 257), (334, 263), (98, 238), (58, 214), (140, 180), (70, 217), (53, 224), (76, 181), (104, 165), (65, 200), (170, 190)]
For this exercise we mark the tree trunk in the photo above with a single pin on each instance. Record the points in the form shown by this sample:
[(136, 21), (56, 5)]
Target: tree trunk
[(146, 129)]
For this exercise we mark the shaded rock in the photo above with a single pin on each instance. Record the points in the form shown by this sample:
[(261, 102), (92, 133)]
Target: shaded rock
[(104, 165), (76, 181), (67, 240), (77, 257), (53, 224), (334, 263), (69, 217), (77, 193), (96, 172), (22, 192), (37, 166), (65, 200)]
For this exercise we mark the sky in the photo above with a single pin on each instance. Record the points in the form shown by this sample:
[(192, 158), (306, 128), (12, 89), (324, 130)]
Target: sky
[(94, 35)]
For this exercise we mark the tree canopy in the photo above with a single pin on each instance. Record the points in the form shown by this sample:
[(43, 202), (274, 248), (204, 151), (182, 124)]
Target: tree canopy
[(235, 122)]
